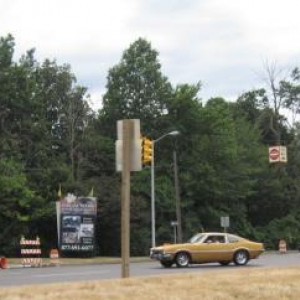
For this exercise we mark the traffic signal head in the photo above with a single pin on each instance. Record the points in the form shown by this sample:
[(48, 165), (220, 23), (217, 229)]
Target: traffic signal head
[(146, 151)]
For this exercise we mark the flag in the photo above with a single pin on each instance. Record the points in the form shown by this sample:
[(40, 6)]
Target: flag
[(91, 194)]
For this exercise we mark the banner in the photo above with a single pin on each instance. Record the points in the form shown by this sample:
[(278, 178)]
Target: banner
[(77, 223)]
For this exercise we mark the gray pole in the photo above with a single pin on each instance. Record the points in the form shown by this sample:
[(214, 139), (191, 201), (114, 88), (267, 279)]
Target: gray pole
[(153, 197), (177, 199), (153, 184), (175, 238)]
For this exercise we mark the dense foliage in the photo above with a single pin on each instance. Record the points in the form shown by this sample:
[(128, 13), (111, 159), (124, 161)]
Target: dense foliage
[(50, 136)]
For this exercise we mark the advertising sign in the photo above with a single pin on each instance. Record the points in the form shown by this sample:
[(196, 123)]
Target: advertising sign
[(77, 223)]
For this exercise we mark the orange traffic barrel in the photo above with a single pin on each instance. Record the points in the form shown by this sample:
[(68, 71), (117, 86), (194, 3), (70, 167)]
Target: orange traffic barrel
[(282, 246), (54, 257), (3, 263)]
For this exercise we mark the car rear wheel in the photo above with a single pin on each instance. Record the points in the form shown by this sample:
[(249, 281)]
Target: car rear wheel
[(166, 264), (182, 260), (241, 257)]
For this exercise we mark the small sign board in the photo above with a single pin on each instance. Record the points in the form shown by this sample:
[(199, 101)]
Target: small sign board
[(135, 146), (225, 222), (277, 154)]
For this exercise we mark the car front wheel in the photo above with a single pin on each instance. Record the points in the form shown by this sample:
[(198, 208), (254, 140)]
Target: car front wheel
[(241, 257), (182, 260)]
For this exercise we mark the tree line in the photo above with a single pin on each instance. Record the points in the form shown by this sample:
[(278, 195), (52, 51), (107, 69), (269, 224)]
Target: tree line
[(51, 136)]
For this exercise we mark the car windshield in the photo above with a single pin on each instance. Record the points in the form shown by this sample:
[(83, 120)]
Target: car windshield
[(196, 238)]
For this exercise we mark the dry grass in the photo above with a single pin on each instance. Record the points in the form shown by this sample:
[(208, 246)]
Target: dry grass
[(83, 261), (254, 284)]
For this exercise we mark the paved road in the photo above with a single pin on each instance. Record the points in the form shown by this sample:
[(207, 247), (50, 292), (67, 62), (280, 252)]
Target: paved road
[(27, 276)]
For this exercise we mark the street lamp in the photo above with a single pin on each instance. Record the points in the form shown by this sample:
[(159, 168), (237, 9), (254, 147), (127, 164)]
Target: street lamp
[(173, 133)]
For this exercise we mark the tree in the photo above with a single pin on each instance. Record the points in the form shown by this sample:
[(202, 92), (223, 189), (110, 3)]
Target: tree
[(290, 91), (136, 89), (18, 204), (274, 102)]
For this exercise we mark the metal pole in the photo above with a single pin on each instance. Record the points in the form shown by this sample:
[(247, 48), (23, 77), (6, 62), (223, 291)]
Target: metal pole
[(153, 197), (175, 238), (153, 185)]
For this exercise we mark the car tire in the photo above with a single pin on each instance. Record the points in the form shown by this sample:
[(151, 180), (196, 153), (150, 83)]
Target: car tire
[(182, 259), (224, 263), (241, 257), (166, 264)]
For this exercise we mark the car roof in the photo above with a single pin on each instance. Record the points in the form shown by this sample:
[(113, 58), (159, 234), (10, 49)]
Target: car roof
[(220, 233)]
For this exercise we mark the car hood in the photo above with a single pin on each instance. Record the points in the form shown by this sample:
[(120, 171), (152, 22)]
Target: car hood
[(168, 247)]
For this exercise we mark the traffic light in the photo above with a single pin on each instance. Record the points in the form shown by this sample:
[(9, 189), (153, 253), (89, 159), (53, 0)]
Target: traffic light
[(146, 151)]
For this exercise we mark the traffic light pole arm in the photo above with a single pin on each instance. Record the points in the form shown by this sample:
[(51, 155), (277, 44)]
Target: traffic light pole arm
[(160, 138)]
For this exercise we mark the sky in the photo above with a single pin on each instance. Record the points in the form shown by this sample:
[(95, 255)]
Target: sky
[(224, 44)]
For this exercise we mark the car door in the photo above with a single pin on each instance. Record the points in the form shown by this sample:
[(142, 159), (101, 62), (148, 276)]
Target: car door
[(208, 250)]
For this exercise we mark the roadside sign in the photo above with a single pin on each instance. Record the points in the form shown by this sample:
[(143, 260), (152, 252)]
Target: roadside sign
[(274, 154), (277, 154), (224, 222)]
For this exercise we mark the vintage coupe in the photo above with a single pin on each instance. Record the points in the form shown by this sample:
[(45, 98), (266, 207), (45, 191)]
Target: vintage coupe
[(208, 247)]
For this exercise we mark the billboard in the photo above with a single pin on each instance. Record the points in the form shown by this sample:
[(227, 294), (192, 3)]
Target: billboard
[(77, 223)]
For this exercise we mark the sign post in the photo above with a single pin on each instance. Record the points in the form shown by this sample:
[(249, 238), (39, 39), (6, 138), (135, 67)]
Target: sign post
[(125, 201), (128, 158), (225, 223), (174, 224)]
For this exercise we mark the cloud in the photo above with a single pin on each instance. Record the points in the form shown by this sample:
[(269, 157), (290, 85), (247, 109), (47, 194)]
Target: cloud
[(222, 43)]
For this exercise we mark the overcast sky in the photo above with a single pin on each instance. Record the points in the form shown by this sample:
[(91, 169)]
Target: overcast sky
[(222, 43)]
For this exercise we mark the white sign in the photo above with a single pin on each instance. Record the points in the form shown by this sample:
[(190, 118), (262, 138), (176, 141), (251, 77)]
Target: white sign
[(136, 152), (277, 154), (225, 222), (135, 146)]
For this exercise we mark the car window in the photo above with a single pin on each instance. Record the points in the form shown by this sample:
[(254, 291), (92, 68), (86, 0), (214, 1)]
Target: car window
[(214, 239), (232, 239), (196, 238), (219, 239)]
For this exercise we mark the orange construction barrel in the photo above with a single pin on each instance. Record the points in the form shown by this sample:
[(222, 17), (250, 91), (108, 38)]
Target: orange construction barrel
[(54, 256), (3, 263), (282, 246)]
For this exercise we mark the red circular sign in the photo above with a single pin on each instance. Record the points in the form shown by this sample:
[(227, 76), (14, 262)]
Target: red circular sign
[(274, 154)]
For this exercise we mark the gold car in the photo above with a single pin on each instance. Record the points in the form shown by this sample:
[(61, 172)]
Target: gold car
[(223, 248)]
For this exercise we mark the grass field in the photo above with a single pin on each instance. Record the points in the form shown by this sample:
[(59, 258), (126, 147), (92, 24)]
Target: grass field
[(240, 283)]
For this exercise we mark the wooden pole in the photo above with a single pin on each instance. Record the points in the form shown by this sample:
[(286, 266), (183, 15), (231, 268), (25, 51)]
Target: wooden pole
[(177, 199), (125, 201)]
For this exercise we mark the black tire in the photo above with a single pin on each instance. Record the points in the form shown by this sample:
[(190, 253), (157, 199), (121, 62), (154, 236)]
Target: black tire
[(166, 264), (241, 257), (182, 259), (224, 263)]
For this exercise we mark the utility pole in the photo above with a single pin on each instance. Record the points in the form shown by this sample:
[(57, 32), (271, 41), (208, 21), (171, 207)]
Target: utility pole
[(125, 201), (128, 158), (177, 199)]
